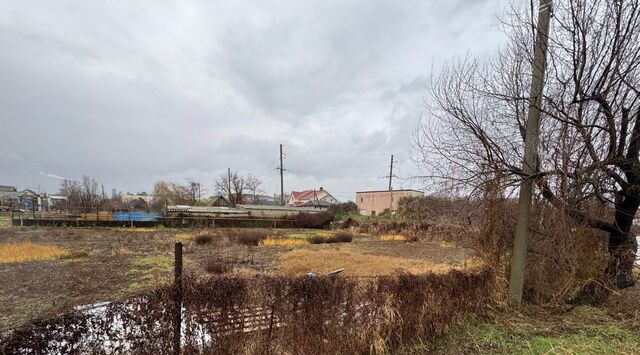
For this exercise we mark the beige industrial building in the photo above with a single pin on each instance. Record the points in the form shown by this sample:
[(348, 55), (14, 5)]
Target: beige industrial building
[(371, 203)]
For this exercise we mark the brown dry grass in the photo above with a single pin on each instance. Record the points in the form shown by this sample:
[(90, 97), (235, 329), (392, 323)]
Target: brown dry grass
[(390, 237), (355, 264), (283, 242), (29, 251), (141, 229), (184, 236)]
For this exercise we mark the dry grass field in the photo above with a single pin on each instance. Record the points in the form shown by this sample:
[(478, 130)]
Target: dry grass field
[(29, 251), (45, 270)]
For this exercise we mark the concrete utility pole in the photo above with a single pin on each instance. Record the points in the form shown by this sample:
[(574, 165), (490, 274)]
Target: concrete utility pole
[(519, 256), (281, 178), (229, 186), (390, 172)]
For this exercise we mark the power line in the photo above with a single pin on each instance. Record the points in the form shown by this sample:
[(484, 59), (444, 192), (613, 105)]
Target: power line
[(339, 165)]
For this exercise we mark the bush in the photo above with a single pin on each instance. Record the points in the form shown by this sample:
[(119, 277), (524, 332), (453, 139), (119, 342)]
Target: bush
[(565, 258), (251, 237), (217, 266), (342, 210), (343, 237), (339, 237), (202, 238), (313, 220), (316, 239), (432, 207)]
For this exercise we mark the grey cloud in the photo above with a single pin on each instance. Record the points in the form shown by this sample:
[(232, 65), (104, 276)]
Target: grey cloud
[(134, 92)]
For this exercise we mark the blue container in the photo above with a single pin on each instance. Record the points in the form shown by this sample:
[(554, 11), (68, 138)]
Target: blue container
[(137, 216)]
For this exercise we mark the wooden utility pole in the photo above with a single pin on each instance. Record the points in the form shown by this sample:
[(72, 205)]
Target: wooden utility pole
[(390, 172), (529, 165), (281, 178)]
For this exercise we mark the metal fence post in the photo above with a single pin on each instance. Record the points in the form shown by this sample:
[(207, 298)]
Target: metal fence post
[(177, 298)]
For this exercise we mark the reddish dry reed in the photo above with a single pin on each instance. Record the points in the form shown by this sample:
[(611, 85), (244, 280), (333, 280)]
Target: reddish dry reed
[(268, 314)]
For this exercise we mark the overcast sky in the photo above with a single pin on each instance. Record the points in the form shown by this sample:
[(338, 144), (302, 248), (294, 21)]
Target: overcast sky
[(132, 92)]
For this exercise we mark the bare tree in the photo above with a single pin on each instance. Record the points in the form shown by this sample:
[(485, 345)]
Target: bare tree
[(83, 194), (90, 193), (115, 195), (169, 193), (72, 189), (223, 188), (590, 128), (238, 187), (254, 189), (195, 191), (235, 187)]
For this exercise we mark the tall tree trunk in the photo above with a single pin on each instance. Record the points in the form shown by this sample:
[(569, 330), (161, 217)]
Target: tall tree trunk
[(622, 243)]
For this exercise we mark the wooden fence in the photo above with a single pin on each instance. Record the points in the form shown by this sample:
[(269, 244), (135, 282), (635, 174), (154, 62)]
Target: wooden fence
[(26, 219)]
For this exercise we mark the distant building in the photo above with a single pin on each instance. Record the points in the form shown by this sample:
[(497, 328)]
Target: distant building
[(7, 188), (311, 198), (182, 211), (371, 203), (30, 200), (25, 199), (267, 200), (8, 196), (137, 201), (56, 202), (219, 201), (271, 211), (126, 198)]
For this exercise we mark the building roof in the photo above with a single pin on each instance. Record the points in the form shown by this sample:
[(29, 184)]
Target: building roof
[(130, 197), (27, 192), (401, 190), (7, 188), (298, 195), (312, 203), (309, 194), (216, 198), (310, 197), (276, 208), (205, 209)]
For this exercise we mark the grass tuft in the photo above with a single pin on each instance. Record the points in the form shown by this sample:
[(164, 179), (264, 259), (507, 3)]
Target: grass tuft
[(29, 251), (217, 266), (251, 237), (202, 238)]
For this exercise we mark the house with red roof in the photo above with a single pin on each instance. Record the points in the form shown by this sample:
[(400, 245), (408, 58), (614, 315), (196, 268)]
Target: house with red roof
[(311, 198)]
